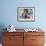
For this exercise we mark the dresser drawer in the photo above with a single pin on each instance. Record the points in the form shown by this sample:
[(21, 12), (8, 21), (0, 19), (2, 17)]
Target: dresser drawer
[(12, 39), (37, 39), (13, 33), (34, 33), (12, 44), (37, 44), (8, 44)]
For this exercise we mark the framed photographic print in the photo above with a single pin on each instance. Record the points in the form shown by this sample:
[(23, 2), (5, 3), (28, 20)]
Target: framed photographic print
[(26, 14)]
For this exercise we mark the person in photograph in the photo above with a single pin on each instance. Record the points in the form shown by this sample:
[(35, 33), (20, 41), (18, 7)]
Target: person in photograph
[(25, 14), (30, 13)]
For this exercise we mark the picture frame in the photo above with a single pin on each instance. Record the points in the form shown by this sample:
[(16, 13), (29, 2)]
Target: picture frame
[(25, 14)]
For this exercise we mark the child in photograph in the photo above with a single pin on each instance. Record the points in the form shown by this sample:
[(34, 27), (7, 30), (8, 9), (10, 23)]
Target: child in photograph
[(27, 13), (30, 13)]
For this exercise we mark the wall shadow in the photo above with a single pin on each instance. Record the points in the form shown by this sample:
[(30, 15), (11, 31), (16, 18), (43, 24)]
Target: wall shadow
[(2, 29)]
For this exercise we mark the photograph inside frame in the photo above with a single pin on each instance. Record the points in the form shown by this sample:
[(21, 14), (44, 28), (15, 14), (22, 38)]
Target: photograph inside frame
[(26, 13)]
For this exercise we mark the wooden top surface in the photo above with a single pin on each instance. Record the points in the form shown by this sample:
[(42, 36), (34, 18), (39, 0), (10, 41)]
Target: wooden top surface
[(22, 30)]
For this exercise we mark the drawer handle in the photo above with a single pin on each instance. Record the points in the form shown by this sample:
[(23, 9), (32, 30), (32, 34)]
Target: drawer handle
[(33, 39), (11, 38)]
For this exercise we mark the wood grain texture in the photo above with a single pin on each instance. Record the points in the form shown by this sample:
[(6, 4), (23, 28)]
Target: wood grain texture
[(34, 39), (13, 39), (23, 39)]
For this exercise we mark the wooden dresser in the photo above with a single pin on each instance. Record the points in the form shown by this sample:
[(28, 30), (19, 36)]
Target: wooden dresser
[(23, 39)]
